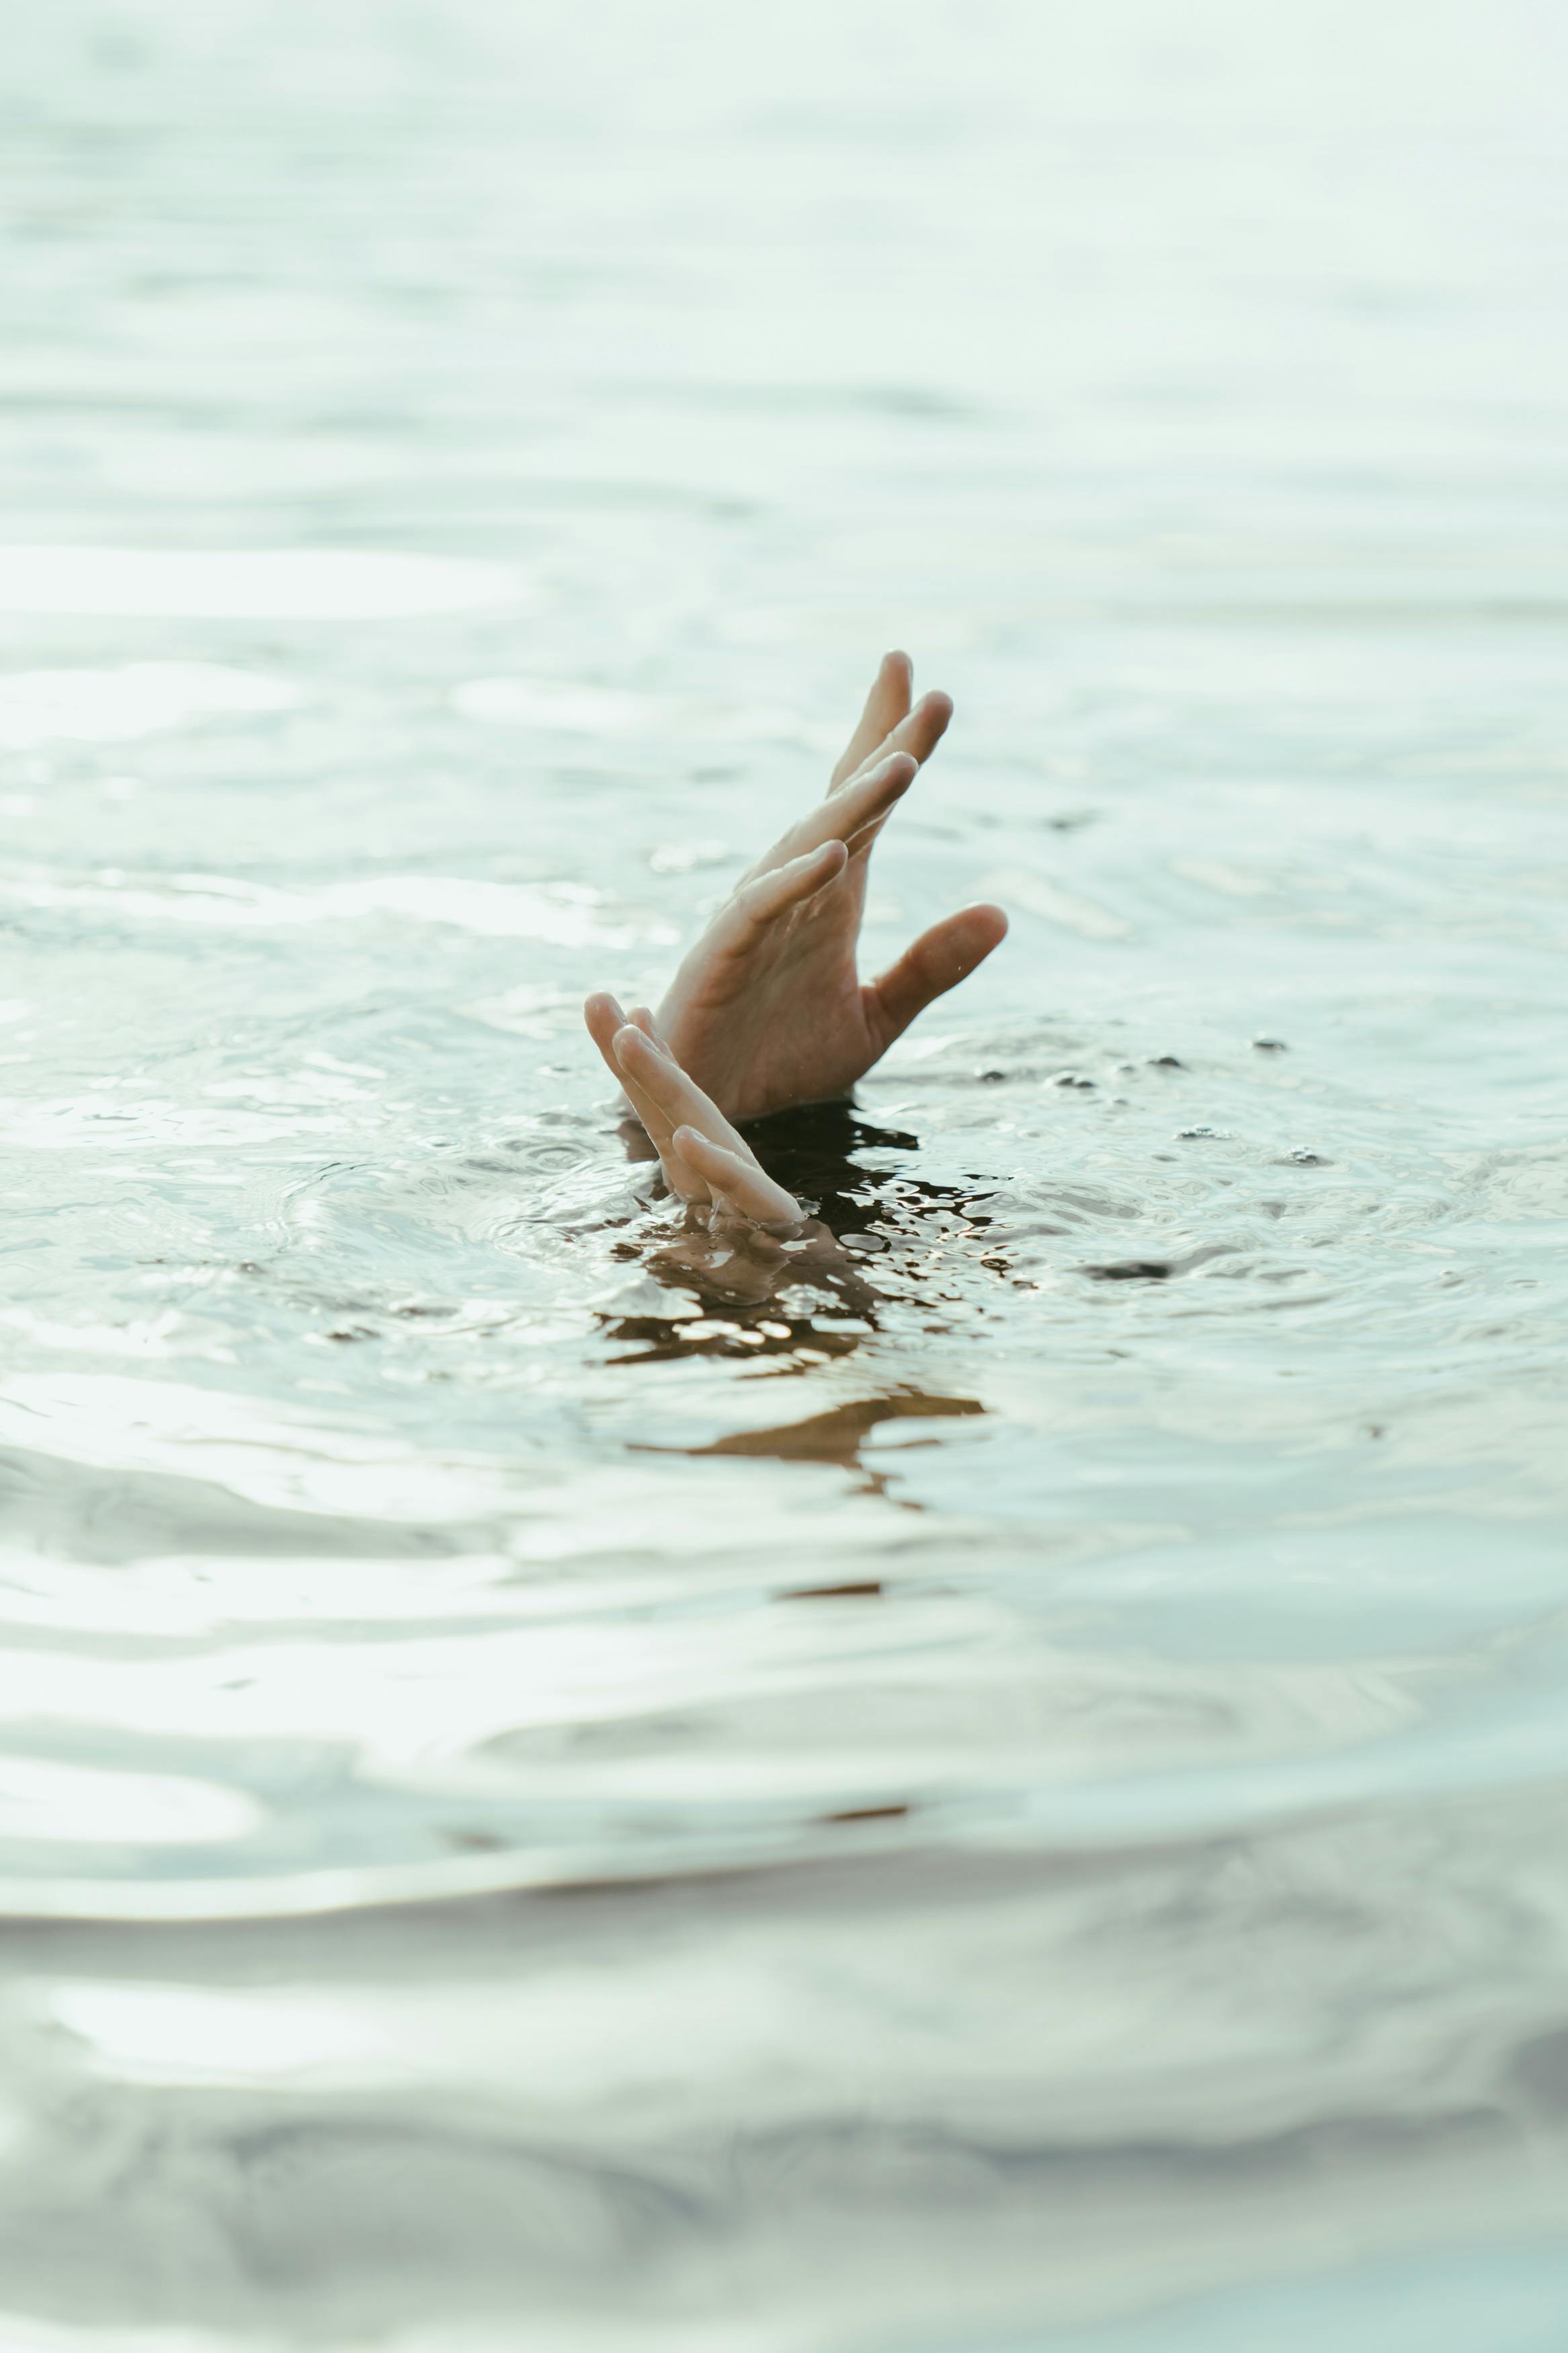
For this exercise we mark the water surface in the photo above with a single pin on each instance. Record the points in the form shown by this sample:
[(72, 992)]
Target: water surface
[(1010, 1800)]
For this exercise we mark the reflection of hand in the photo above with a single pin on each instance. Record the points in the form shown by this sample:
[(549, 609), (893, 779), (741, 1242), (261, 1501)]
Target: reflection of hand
[(705, 1162), (743, 1266), (769, 1008)]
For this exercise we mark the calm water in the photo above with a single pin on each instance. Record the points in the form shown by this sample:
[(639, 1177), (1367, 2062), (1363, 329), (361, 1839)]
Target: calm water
[(1012, 1801)]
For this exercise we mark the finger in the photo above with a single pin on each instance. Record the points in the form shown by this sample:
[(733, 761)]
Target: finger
[(757, 905), (913, 739), (918, 734), (605, 1019), (865, 800), (744, 1189), (678, 1099), (643, 1017), (887, 704), (745, 1186), (937, 962), (603, 1016)]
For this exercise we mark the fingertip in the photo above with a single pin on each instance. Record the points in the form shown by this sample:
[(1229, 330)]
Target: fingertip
[(712, 1159), (977, 931), (603, 1016), (812, 871), (895, 659), (937, 706), (641, 1017)]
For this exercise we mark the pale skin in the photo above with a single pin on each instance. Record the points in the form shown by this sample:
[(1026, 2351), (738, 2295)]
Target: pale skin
[(769, 1010)]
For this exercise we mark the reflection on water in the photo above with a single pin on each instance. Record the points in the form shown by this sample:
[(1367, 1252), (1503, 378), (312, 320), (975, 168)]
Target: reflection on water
[(996, 1781), (877, 1236), (839, 1435)]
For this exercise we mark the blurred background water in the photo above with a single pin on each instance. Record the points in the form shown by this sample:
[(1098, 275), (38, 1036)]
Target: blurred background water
[(1015, 1800)]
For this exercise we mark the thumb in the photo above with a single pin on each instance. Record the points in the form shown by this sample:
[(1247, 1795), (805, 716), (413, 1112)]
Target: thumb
[(936, 961)]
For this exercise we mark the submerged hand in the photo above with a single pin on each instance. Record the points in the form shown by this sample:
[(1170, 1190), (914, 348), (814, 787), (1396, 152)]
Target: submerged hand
[(769, 1008), (705, 1162)]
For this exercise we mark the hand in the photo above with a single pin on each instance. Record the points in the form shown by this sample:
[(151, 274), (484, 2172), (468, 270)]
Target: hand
[(705, 1162), (757, 1242), (769, 1008)]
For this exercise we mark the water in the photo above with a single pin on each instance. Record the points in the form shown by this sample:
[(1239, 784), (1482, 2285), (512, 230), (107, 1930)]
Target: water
[(1010, 1802)]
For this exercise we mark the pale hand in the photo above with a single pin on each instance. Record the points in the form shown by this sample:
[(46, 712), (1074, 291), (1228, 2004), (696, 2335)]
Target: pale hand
[(769, 1008)]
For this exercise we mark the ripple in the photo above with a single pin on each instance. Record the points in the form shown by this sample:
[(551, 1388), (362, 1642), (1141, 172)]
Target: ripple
[(113, 1421)]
